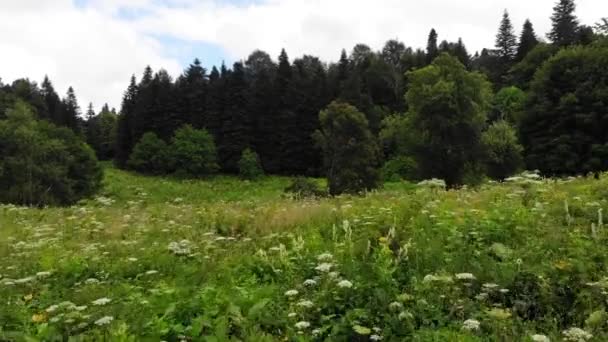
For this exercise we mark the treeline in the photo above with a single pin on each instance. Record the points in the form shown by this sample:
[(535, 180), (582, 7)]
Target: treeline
[(439, 112)]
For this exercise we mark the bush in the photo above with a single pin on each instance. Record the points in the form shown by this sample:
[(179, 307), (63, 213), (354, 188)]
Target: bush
[(150, 155), (302, 187), (350, 152), (43, 164), (193, 152), (400, 168), (502, 149), (249, 165)]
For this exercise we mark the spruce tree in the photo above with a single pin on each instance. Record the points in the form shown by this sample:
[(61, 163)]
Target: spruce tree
[(432, 51), (71, 111), (506, 42), (191, 96), (52, 101), (527, 41), (564, 24), (124, 132), (286, 117)]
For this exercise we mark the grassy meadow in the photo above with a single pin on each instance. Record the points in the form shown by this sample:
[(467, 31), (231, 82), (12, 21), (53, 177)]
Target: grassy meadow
[(223, 259)]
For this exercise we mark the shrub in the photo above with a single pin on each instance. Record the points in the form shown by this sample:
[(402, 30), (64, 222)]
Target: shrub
[(350, 152), (193, 152), (43, 164), (502, 149), (249, 165), (150, 155), (302, 187), (399, 168)]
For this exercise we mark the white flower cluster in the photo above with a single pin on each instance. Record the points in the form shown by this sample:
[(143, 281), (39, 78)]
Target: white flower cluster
[(433, 183), (471, 325), (104, 320), (101, 301), (180, 248), (540, 338), (576, 335)]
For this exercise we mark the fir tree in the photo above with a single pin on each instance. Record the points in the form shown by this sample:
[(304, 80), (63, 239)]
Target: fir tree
[(432, 51), (564, 24), (71, 111), (527, 41), (506, 42)]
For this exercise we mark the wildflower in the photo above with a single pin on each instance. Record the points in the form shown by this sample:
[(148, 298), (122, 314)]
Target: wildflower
[(310, 282), (302, 325), (101, 301), (465, 276), (43, 275), (576, 335), (39, 318), (52, 308), (80, 308), (405, 315), (490, 286), (316, 332), (324, 267), (345, 284), (104, 320), (333, 275), (325, 257), (471, 325), (91, 281), (291, 293), (132, 259), (499, 314), (540, 338), (395, 306), (375, 338), (292, 314), (24, 280), (151, 272), (305, 304)]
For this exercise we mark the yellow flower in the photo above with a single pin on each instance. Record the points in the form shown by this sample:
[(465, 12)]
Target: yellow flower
[(28, 297), (562, 265), (39, 318)]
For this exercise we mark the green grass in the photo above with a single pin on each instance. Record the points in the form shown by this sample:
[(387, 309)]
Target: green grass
[(238, 247)]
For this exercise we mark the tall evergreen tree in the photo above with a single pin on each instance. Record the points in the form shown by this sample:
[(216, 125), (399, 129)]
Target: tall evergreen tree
[(52, 101), (124, 132), (432, 51), (564, 24), (71, 111), (506, 42), (191, 93), (527, 41)]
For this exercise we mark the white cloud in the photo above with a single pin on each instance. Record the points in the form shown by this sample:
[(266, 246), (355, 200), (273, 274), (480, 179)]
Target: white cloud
[(96, 52)]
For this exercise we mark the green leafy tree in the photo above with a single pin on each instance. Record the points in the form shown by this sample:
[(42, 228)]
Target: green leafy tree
[(506, 41), (193, 152), (448, 108), (509, 105), (522, 73), (565, 129), (527, 41), (350, 151), (43, 164), (503, 152), (250, 166), (150, 155), (565, 26)]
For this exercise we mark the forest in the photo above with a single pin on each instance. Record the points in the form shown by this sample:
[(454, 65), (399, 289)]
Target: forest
[(526, 103)]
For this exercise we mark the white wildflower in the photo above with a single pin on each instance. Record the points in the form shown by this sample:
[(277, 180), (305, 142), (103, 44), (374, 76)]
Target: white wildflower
[(395, 306), (576, 335), (91, 281), (540, 338), (302, 325), (345, 284), (42, 275), (104, 320), (151, 272), (132, 259), (325, 257), (101, 301), (375, 338), (292, 314), (52, 308), (465, 276), (291, 293), (310, 282), (471, 325), (316, 332), (305, 304), (324, 267)]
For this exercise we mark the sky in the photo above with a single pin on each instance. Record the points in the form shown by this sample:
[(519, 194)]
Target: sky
[(96, 45)]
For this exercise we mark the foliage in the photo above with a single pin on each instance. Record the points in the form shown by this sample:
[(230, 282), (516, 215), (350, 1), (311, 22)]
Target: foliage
[(522, 73), (448, 108), (509, 104), (101, 133), (150, 155), (400, 168), (565, 26), (302, 187), (43, 164), (350, 152), (564, 129), (502, 149), (506, 41), (527, 41), (193, 152), (249, 165)]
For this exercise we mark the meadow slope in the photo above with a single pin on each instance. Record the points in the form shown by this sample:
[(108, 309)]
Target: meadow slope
[(224, 259)]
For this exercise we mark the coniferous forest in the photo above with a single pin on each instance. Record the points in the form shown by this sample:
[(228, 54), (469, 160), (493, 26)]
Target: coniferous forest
[(442, 112)]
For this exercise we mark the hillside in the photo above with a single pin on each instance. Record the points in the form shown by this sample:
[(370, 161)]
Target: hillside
[(227, 259)]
